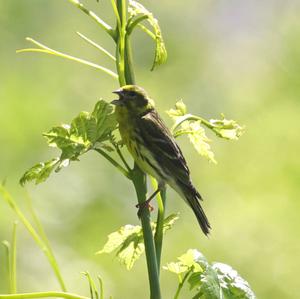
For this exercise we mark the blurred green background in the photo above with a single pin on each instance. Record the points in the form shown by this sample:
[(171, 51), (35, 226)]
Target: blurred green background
[(241, 58)]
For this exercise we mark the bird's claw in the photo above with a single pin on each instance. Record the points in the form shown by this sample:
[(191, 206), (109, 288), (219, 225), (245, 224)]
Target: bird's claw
[(145, 205)]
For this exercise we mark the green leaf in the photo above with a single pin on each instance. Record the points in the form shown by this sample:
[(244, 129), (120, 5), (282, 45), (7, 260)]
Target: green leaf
[(203, 277), (39, 172), (199, 140), (169, 221), (192, 260), (105, 146), (87, 131), (220, 281), (193, 127), (106, 121), (210, 286), (194, 280), (216, 281), (176, 267), (58, 136), (227, 128), (83, 129), (131, 250), (117, 238), (233, 285), (128, 241), (180, 110), (185, 124), (137, 10)]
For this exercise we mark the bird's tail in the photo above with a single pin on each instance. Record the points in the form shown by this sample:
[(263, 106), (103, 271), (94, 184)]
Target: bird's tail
[(193, 198)]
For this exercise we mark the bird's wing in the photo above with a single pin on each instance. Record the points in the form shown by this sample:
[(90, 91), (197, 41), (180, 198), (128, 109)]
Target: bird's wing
[(159, 140), (168, 155)]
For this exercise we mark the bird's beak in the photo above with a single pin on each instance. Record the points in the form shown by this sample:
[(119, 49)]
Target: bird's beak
[(118, 91), (117, 103), (120, 94)]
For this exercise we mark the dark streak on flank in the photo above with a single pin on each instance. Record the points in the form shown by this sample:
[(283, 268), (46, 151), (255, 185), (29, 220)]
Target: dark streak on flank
[(155, 168)]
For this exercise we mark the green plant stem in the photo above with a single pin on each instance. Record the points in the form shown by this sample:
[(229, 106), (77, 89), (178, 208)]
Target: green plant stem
[(134, 23), (13, 271), (39, 226), (126, 75), (113, 162), (11, 254), (47, 50), (6, 245), (37, 222), (122, 157), (129, 74), (98, 47), (42, 295), (146, 30), (98, 20), (180, 285), (195, 118), (139, 181), (121, 75), (120, 49), (39, 241), (119, 152), (159, 232), (93, 290), (101, 289)]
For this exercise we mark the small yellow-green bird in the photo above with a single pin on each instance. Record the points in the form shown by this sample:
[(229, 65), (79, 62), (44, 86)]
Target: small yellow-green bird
[(154, 148)]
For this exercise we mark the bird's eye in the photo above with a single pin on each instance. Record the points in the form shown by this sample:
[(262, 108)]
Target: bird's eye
[(131, 94)]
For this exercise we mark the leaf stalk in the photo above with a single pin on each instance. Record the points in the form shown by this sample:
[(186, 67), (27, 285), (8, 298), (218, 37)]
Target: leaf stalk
[(126, 76)]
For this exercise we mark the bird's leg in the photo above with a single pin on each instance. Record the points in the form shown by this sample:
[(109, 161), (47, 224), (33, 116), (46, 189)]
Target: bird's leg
[(146, 203)]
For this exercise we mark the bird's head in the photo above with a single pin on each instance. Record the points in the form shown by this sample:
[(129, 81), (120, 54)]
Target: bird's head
[(134, 99)]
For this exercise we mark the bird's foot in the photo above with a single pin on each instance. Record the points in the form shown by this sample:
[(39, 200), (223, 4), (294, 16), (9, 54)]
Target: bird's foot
[(145, 205)]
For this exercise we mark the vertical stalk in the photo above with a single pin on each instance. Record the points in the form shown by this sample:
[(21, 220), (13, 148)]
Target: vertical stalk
[(139, 181), (159, 232), (13, 264), (181, 283), (36, 237), (126, 72), (129, 72)]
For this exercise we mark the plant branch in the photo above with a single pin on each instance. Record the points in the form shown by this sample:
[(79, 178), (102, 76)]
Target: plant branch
[(146, 30), (39, 241), (180, 285), (13, 264), (121, 7), (43, 295), (39, 226), (214, 127), (7, 249), (139, 181), (195, 118), (97, 19), (37, 221), (159, 232), (113, 162), (129, 74), (94, 44), (117, 148), (101, 289), (117, 15), (126, 75), (134, 23), (47, 50)]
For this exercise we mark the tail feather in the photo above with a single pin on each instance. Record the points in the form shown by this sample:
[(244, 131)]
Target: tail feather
[(199, 213), (193, 198)]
